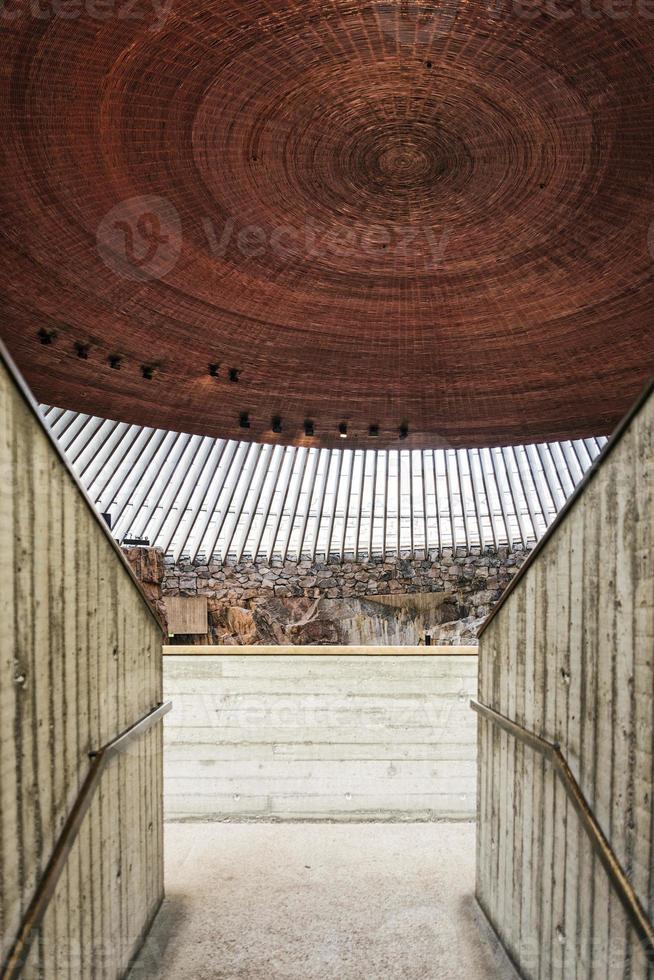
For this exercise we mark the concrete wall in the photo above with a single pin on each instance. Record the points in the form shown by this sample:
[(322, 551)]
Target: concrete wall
[(570, 655), (79, 662), (320, 735)]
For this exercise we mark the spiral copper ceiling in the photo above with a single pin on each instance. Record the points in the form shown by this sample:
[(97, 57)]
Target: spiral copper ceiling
[(418, 220)]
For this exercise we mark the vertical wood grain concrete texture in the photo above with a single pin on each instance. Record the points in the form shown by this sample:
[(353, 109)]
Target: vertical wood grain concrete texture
[(570, 656), (316, 737), (80, 662)]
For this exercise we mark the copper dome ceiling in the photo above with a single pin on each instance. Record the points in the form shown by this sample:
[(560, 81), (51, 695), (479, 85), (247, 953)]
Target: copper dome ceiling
[(428, 219)]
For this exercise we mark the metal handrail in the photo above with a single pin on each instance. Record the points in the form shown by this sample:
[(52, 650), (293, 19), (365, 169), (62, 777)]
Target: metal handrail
[(636, 914), (38, 906)]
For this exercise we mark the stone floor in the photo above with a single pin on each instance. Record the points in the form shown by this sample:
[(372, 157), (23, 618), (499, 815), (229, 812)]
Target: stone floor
[(320, 902)]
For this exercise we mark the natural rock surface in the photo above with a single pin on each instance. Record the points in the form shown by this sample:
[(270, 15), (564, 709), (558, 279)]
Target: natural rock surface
[(459, 633), (391, 601), (148, 566)]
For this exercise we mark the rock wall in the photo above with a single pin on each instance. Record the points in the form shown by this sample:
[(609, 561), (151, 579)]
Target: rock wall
[(394, 601), (149, 567)]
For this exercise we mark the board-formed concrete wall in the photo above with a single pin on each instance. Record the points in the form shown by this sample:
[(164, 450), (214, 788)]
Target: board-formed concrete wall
[(320, 735), (570, 656), (80, 661)]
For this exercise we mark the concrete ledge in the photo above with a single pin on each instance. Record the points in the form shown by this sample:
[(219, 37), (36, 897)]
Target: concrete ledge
[(318, 651)]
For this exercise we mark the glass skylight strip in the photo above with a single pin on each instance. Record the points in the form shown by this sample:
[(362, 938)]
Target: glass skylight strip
[(208, 499)]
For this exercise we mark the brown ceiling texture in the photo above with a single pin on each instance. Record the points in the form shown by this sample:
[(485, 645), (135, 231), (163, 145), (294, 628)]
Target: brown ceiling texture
[(386, 214)]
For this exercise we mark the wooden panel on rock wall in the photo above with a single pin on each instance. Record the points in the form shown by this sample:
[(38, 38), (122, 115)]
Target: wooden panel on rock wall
[(80, 662), (569, 656), (187, 615)]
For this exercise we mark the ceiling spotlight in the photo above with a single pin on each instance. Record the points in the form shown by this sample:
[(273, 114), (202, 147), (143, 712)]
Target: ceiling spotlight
[(373, 431), (213, 370), (342, 430), (244, 420), (404, 430), (234, 374), (309, 428), (276, 424), (46, 336)]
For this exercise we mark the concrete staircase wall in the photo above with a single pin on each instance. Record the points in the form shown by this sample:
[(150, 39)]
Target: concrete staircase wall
[(569, 655)]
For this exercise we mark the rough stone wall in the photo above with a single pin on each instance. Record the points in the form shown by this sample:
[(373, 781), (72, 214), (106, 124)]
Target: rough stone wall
[(474, 580), (395, 600)]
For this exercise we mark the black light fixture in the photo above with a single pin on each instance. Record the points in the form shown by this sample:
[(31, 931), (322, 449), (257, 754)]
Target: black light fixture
[(309, 428), (276, 424), (147, 372), (404, 430), (46, 336), (115, 361), (342, 430), (234, 375), (214, 369), (373, 431), (244, 420), (82, 350)]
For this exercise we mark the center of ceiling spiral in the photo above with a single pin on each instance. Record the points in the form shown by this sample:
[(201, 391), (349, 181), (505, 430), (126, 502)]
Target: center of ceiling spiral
[(403, 161)]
